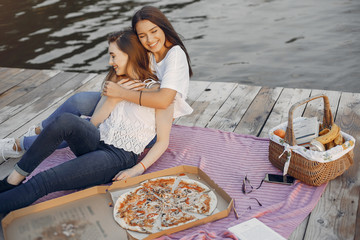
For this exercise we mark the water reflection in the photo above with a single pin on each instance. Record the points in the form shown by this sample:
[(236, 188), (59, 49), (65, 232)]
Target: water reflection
[(67, 35), (262, 42)]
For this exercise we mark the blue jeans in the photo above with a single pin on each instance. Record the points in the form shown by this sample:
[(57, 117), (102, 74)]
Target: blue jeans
[(96, 162), (83, 103)]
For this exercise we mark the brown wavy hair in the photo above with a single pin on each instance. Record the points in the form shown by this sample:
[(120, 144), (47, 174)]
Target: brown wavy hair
[(128, 42), (158, 18)]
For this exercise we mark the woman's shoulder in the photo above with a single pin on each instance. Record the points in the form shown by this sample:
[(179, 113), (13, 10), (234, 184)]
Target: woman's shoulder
[(176, 49), (175, 52)]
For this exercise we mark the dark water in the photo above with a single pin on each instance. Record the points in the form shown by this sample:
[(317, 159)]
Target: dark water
[(290, 43)]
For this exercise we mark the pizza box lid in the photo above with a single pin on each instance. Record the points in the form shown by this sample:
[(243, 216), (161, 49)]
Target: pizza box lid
[(88, 214)]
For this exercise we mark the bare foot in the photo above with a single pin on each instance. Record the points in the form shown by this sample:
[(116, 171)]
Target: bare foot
[(15, 178), (16, 146), (37, 130)]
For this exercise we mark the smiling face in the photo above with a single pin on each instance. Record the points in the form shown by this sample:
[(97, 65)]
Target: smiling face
[(152, 37), (118, 59)]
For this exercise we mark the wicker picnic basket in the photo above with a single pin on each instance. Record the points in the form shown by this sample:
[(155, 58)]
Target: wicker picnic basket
[(308, 171)]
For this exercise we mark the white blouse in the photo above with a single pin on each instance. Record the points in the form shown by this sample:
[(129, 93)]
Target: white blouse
[(129, 126)]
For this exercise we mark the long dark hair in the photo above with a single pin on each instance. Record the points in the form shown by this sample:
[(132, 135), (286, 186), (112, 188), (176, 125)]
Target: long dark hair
[(127, 41), (158, 18)]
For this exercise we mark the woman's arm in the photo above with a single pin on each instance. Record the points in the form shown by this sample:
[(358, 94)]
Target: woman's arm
[(164, 119), (107, 104), (160, 99), (103, 109)]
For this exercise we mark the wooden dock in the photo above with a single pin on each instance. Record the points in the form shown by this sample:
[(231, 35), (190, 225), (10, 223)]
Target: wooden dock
[(29, 96)]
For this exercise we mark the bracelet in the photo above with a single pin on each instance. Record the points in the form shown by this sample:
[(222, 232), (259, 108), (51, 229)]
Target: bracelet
[(150, 85), (140, 98), (143, 166)]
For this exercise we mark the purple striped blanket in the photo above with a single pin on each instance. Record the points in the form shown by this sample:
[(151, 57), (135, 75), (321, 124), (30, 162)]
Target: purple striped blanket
[(227, 157)]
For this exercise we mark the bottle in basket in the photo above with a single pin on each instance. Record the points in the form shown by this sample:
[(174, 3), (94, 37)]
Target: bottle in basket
[(316, 146)]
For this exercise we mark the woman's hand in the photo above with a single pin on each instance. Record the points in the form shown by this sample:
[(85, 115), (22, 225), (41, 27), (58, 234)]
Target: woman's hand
[(131, 172), (112, 89), (131, 84)]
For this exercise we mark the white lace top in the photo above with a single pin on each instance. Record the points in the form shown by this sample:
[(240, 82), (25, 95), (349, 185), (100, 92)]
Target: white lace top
[(129, 126)]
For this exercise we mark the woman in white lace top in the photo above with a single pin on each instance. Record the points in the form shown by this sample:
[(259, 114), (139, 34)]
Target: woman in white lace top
[(106, 153)]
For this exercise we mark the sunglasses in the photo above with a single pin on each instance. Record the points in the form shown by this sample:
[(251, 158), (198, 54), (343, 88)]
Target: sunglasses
[(246, 181)]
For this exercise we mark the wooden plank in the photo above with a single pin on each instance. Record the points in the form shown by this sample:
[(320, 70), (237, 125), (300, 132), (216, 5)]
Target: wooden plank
[(8, 73), (28, 99), (357, 224), (299, 232), (315, 108), (41, 104), (93, 84), (234, 108), (208, 104), (27, 86), (7, 167), (2, 69), (279, 114), (11, 82), (256, 115), (334, 217), (196, 88)]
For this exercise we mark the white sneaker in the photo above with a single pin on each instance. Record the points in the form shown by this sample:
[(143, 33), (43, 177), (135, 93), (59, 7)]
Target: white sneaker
[(31, 131), (7, 151)]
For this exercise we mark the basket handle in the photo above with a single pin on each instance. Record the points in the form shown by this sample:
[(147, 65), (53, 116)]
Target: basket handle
[(328, 119)]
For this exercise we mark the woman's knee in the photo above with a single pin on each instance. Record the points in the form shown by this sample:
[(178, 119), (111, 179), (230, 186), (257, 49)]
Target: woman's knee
[(81, 135), (71, 123), (66, 120), (84, 102), (72, 103), (65, 124), (76, 99)]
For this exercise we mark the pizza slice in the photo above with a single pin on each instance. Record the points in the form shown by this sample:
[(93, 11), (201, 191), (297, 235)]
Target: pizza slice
[(138, 210), (200, 203), (161, 187), (173, 216), (195, 197), (188, 187)]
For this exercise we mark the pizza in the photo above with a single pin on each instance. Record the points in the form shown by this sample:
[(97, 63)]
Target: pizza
[(195, 197), (162, 203), (138, 210), (160, 187), (172, 216)]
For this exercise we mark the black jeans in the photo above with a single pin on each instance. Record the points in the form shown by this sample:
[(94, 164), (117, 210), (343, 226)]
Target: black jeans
[(96, 162)]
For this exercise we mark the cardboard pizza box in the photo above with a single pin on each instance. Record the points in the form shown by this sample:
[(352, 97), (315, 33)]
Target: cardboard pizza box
[(88, 214)]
